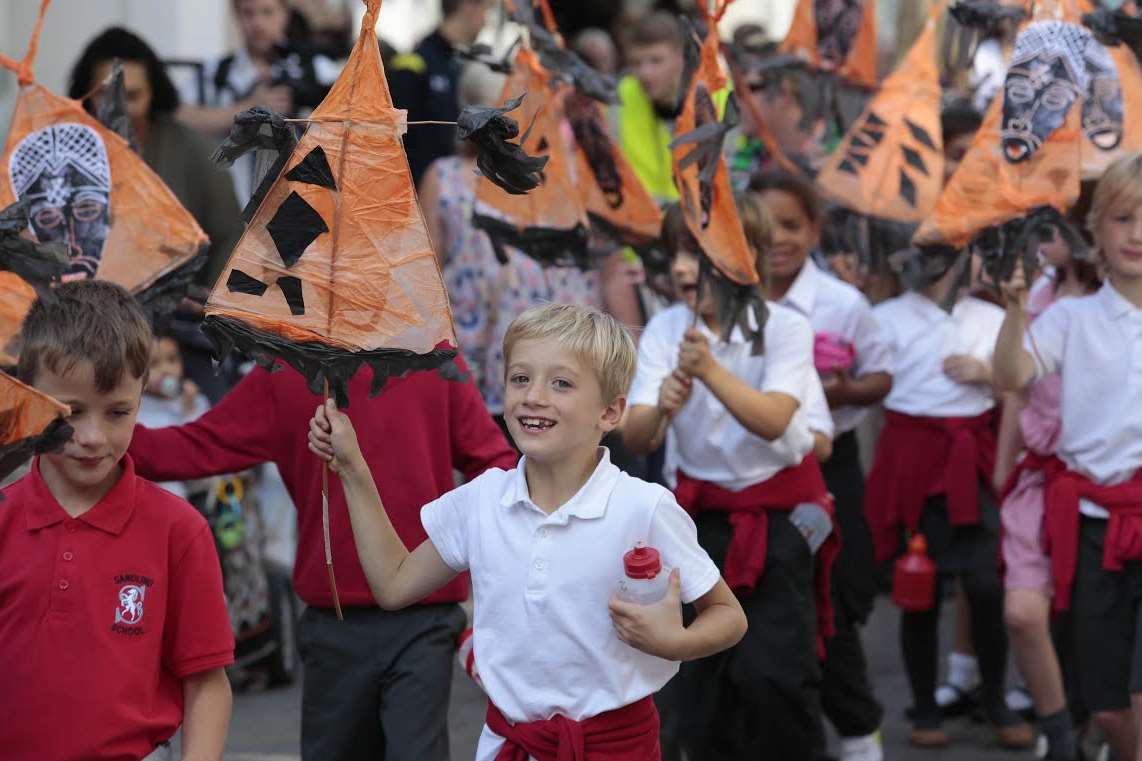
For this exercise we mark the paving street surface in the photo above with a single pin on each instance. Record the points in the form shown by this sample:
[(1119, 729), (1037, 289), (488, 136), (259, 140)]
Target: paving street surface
[(266, 725)]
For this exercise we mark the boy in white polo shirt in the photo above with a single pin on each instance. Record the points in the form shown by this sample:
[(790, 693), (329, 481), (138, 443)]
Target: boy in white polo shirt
[(545, 544), (1093, 496), (739, 454)]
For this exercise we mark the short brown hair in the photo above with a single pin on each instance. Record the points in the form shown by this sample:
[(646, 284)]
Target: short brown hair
[(675, 235), (656, 28), (601, 341), (799, 188), (86, 321), (757, 223)]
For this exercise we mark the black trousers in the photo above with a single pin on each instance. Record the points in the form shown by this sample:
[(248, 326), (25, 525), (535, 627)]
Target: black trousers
[(970, 554), (847, 699), (376, 685), (756, 700)]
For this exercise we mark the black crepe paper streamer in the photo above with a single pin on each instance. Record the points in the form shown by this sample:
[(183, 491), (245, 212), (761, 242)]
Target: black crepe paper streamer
[(320, 363), (112, 112), (483, 54), (314, 169), (53, 438), (734, 304), (550, 247), (1115, 27), (167, 292), (506, 164), (258, 128), (37, 263), (294, 226), (240, 282), (291, 289)]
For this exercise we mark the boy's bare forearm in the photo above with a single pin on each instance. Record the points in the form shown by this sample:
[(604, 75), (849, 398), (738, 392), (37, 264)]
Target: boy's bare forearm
[(716, 628), (206, 715), (641, 429), (1012, 367), (379, 548)]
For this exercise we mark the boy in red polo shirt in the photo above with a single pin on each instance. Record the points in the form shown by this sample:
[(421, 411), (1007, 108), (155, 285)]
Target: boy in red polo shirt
[(111, 607)]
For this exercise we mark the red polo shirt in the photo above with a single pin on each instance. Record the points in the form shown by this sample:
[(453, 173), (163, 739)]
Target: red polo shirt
[(412, 434), (101, 617)]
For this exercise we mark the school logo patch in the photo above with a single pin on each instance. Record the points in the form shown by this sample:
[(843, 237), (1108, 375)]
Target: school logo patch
[(130, 603)]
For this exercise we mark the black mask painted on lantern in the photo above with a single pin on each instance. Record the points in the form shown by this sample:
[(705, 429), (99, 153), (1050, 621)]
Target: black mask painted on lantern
[(1038, 95)]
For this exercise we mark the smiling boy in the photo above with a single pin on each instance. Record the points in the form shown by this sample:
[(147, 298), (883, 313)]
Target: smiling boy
[(111, 606), (562, 661)]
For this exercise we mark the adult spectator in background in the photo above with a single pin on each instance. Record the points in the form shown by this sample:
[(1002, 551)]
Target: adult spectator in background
[(267, 70), (177, 153), (598, 49), (426, 82)]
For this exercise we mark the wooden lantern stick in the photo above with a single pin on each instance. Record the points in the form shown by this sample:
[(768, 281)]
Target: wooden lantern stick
[(325, 528)]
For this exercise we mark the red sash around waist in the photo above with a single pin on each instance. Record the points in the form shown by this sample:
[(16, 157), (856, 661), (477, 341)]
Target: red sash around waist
[(629, 733), (917, 457), (748, 511), (1123, 543)]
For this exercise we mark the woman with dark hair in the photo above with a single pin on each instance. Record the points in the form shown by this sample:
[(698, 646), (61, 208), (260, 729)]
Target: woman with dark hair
[(178, 154)]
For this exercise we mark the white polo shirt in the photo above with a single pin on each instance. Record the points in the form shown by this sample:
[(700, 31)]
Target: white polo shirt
[(1095, 343), (704, 439), (921, 335), (543, 636), (833, 306)]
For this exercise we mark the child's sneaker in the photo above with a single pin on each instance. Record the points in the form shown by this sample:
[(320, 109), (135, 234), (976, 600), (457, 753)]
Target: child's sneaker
[(867, 748)]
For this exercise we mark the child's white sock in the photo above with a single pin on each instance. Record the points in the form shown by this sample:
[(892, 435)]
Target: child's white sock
[(963, 671)]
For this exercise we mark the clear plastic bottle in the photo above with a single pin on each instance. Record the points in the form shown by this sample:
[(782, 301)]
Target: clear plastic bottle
[(644, 581)]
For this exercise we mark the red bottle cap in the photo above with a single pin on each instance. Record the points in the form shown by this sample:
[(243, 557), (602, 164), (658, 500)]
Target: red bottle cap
[(642, 562), (918, 545)]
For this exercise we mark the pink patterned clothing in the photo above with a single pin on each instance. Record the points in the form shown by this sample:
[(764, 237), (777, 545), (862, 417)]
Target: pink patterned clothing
[(1028, 566), (486, 296)]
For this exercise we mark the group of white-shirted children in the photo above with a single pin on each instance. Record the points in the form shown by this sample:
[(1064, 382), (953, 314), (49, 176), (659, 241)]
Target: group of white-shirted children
[(565, 661), (765, 490)]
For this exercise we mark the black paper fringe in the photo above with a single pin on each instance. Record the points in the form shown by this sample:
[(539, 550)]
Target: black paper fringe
[(54, 437), (320, 362), (735, 303), (548, 246)]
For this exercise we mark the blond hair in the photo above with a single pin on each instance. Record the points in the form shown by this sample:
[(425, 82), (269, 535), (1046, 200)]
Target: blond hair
[(1120, 184), (596, 338)]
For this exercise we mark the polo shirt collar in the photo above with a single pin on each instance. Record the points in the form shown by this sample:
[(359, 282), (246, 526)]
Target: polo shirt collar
[(802, 294), (589, 502), (109, 514), (925, 308), (1115, 303)]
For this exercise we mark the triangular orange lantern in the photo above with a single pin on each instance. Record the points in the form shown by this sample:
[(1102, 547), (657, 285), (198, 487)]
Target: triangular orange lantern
[(890, 164), (836, 36), (615, 197), (700, 169), (30, 422), (1058, 120), (87, 188), (550, 222), (336, 268)]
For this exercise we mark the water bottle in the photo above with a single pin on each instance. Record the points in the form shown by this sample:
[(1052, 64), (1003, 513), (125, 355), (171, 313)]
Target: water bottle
[(643, 582), (914, 578)]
